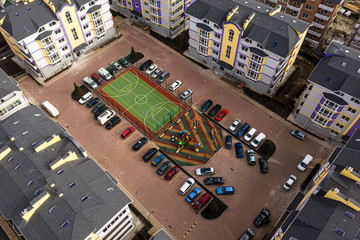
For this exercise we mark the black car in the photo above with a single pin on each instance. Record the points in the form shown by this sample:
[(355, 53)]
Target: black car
[(112, 122), (98, 113), (262, 218), (206, 106), (247, 235), (243, 129), (97, 107), (92, 102), (263, 165), (139, 143), (214, 180), (149, 154), (228, 142), (146, 64), (214, 110), (162, 169), (123, 62)]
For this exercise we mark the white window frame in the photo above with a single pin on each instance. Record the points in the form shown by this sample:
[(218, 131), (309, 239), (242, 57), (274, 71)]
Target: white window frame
[(256, 58), (76, 37), (252, 75), (202, 50), (330, 105), (68, 17), (320, 120), (228, 51), (231, 35), (254, 66), (203, 33)]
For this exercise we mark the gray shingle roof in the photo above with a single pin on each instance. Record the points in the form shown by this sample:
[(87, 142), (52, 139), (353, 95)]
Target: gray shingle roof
[(161, 235), (276, 33), (7, 84), (339, 70), (335, 98), (83, 217)]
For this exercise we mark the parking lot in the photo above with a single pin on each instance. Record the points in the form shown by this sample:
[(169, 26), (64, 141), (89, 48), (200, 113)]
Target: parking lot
[(253, 190)]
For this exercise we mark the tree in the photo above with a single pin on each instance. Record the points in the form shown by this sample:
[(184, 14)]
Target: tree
[(78, 91), (133, 54), (214, 207)]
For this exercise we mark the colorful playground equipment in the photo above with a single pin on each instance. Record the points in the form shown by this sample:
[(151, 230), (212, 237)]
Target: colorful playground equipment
[(185, 139)]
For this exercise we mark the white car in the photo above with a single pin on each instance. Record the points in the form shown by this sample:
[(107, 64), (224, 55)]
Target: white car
[(234, 125), (104, 73), (205, 171), (88, 81), (186, 94), (250, 134), (151, 69), (305, 162), (175, 85), (116, 65), (156, 73), (259, 138), (289, 182), (87, 96)]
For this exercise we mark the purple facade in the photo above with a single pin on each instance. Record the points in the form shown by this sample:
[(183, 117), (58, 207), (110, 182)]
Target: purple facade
[(313, 115), (136, 6), (353, 128)]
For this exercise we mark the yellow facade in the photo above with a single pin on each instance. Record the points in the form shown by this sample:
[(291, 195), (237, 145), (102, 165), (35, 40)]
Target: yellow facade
[(226, 43), (352, 124)]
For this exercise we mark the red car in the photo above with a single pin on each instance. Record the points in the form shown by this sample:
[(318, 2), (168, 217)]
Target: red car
[(221, 115), (170, 174), (127, 132)]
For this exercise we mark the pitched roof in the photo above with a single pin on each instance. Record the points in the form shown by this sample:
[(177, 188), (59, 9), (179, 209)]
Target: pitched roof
[(7, 84)]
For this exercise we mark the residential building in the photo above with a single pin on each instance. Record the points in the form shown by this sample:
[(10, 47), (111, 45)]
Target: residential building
[(330, 105), (11, 96), (47, 36), (319, 13), (245, 40), (167, 18), (161, 235), (330, 209), (50, 189), (353, 40)]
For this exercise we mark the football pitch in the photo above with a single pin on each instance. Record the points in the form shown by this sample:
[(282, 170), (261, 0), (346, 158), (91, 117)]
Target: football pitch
[(147, 105)]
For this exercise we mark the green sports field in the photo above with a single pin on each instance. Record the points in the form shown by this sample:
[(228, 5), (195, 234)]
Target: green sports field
[(141, 100)]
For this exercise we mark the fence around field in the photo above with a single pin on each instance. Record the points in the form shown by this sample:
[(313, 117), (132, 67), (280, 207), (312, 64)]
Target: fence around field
[(140, 125)]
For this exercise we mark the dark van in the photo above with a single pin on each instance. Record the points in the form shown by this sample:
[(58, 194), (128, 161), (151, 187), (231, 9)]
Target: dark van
[(97, 78), (163, 77), (149, 154), (112, 122)]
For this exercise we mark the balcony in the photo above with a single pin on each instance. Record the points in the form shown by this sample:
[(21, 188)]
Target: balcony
[(176, 21), (318, 25), (327, 8), (153, 3), (292, 7), (325, 18), (314, 33)]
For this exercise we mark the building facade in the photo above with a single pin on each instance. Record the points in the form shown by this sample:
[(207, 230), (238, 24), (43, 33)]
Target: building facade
[(330, 106), (47, 36), (165, 17), (319, 13), (246, 40)]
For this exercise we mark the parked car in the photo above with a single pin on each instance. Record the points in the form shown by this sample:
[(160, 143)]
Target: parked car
[(239, 151), (149, 154), (234, 125), (298, 134), (214, 110), (214, 181), (262, 218), (163, 168), (240, 132), (156, 73), (203, 200), (91, 83), (228, 190), (127, 132), (186, 94), (105, 74), (289, 182), (101, 111), (123, 62), (111, 70), (228, 142), (171, 173), (250, 134), (221, 115), (205, 171), (146, 64), (259, 138), (263, 165), (97, 78), (305, 162), (116, 65), (92, 102), (193, 194), (157, 160), (139, 143), (151, 69), (106, 116), (87, 96), (163, 77), (206, 105), (250, 154), (175, 85), (186, 186), (247, 235), (97, 107), (112, 122)]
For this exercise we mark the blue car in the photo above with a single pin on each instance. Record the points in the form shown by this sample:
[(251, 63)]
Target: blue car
[(92, 102), (194, 193), (225, 190), (157, 160), (240, 132), (239, 150)]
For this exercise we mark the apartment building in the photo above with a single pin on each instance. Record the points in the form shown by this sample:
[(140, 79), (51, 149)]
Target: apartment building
[(246, 40), (50, 189), (330, 210), (166, 17), (11, 96), (319, 13), (47, 36), (330, 105)]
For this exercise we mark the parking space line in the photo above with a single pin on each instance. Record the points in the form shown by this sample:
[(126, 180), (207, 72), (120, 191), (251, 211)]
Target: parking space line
[(177, 175), (198, 100)]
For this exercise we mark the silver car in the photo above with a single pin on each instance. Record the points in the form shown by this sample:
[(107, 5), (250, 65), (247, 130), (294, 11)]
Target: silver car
[(186, 94), (156, 73), (289, 182), (234, 125)]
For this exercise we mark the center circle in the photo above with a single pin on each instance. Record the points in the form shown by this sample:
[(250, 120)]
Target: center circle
[(141, 99)]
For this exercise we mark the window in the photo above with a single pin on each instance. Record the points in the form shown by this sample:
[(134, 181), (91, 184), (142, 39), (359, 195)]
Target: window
[(136, 3), (345, 118), (91, 3), (203, 42), (330, 105), (82, 18), (74, 34), (88, 34), (71, 185), (355, 100), (50, 50), (203, 33), (61, 40), (252, 75), (302, 103), (241, 65), (96, 14), (54, 58), (256, 58), (58, 31), (293, 12), (41, 29), (216, 44), (202, 50), (82, 8), (339, 125), (305, 15), (228, 51), (244, 48), (84, 198), (352, 110), (64, 224), (52, 209), (310, 87), (283, 8), (86, 26), (214, 60), (90, 42), (242, 57), (339, 93), (146, 4), (319, 20), (324, 12), (64, 48), (47, 41), (98, 23), (217, 35), (334, 132), (260, 46), (325, 113), (248, 40), (31, 182), (254, 66), (52, 23), (321, 121), (60, 172), (308, 7), (205, 21), (216, 26), (68, 17), (231, 35), (68, 55), (215, 52), (238, 72), (100, 31), (146, 11)]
